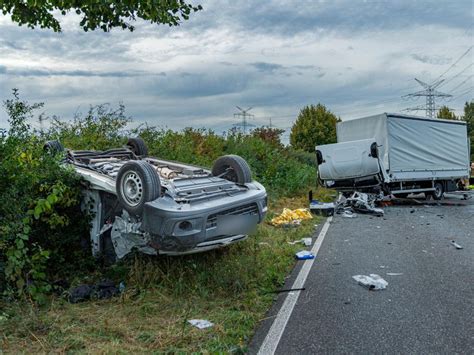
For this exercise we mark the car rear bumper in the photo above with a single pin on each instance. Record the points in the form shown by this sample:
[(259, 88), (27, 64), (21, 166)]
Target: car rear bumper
[(199, 227)]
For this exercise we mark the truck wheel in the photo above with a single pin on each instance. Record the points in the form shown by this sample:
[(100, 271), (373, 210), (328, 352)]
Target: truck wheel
[(232, 168), (138, 146), (438, 192), (53, 147), (137, 183)]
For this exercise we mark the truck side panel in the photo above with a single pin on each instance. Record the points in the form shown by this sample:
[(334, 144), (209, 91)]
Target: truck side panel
[(421, 148)]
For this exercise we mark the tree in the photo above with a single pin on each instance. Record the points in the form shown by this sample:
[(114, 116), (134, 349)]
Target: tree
[(469, 118), (269, 135), (315, 125), (97, 14), (445, 113)]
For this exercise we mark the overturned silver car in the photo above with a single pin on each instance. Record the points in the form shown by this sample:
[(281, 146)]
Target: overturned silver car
[(164, 207)]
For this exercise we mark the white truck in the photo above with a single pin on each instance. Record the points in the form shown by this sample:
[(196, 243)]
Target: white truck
[(396, 154)]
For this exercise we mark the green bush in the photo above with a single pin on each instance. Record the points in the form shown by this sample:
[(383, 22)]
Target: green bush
[(40, 204)]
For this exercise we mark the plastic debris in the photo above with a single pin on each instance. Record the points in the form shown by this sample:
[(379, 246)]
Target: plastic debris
[(288, 217), (304, 255), (394, 273), (349, 214), (456, 245), (200, 323), (307, 241), (373, 282)]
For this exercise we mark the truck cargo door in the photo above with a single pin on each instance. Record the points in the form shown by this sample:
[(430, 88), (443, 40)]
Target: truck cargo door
[(347, 160)]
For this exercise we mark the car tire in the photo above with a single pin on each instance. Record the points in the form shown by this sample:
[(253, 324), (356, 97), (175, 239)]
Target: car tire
[(138, 146), (137, 183), (439, 191), (53, 147), (233, 168)]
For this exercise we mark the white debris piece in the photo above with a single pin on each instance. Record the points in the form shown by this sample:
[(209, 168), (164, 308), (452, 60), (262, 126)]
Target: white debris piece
[(349, 214), (307, 241), (200, 323), (394, 273), (456, 245), (372, 282), (359, 202)]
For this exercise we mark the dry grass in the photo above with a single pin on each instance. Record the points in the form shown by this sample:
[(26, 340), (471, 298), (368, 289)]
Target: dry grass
[(231, 287)]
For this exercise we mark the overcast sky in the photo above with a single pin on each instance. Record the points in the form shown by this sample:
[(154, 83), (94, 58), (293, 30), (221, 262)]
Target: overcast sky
[(356, 57)]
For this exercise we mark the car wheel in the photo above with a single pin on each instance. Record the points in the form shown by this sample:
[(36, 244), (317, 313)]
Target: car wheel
[(232, 168), (138, 146), (137, 183), (437, 194), (53, 147)]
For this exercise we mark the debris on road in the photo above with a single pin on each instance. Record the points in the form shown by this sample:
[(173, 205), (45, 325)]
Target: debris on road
[(373, 282), (289, 217), (304, 255), (322, 209), (288, 290), (201, 323), (349, 214), (394, 273), (456, 245), (358, 202)]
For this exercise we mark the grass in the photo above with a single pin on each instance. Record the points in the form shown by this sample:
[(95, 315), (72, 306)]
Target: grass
[(232, 287)]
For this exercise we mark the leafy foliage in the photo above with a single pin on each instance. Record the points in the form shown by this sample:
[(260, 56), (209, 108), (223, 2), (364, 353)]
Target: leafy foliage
[(445, 113), (39, 226), (469, 118), (104, 15), (314, 126)]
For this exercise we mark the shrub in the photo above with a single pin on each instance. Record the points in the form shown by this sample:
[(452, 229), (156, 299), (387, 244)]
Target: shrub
[(39, 225)]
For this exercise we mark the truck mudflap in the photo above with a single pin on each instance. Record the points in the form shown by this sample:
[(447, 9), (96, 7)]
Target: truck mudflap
[(348, 161)]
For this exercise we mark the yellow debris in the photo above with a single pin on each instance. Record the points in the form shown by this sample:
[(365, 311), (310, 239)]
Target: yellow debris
[(289, 216)]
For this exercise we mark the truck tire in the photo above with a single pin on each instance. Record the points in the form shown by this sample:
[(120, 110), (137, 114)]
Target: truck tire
[(137, 146), (53, 147), (232, 168), (137, 183), (437, 194)]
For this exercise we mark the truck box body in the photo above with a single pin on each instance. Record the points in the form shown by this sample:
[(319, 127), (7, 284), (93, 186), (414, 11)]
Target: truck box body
[(410, 148)]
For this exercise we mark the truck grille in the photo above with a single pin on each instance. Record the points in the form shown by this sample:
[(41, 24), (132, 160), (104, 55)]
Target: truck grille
[(249, 209)]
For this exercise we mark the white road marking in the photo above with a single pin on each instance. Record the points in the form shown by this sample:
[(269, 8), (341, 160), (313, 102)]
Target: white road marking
[(273, 337)]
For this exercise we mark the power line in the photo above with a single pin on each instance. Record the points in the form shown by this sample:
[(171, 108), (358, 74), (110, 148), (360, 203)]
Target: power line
[(465, 81), (458, 74), (456, 62)]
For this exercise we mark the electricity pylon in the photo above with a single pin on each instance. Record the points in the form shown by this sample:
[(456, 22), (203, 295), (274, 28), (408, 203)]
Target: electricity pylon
[(430, 93), (245, 115)]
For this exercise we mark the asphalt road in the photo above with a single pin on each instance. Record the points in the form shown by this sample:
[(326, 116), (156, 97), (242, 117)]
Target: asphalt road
[(427, 309)]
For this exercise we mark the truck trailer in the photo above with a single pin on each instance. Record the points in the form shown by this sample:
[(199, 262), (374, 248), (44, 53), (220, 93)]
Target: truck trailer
[(396, 154)]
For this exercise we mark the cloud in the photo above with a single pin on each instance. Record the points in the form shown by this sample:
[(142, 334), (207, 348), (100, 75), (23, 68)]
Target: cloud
[(356, 57), (33, 72), (435, 59), (266, 67)]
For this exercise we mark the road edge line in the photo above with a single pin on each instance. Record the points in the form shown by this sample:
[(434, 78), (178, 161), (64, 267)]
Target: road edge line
[(272, 339)]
